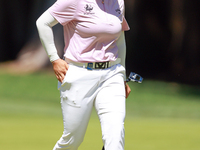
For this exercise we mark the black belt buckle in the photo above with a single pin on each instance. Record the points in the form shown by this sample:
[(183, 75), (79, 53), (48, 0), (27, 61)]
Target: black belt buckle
[(101, 65), (98, 65)]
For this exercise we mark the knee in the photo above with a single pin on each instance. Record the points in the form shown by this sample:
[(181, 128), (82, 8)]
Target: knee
[(116, 132), (114, 139), (68, 142)]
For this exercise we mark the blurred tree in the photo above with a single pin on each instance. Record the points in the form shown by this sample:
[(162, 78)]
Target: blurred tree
[(150, 37), (19, 39), (184, 47), (163, 42)]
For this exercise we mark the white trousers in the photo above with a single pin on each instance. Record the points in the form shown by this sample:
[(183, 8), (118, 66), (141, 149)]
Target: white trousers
[(80, 91)]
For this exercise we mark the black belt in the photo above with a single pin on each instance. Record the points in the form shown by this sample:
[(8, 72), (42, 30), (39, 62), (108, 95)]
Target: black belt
[(98, 65)]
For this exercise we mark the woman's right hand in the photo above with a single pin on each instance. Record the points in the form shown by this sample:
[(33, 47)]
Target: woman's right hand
[(60, 68)]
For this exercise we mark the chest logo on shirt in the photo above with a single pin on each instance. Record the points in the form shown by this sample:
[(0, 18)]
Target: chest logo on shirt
[(118, 11), (88, 10)]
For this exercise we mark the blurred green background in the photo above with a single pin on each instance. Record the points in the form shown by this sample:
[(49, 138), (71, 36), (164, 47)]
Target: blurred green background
[(163, 113), (160, 115)]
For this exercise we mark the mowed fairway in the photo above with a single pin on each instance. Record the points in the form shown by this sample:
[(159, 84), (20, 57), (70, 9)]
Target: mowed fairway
[(160, 116)]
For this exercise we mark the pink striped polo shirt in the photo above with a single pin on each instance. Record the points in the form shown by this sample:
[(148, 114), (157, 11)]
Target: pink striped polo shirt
[(91, 28)]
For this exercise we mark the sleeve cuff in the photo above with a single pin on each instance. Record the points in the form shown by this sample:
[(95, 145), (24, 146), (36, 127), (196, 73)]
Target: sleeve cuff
[(54, 57)]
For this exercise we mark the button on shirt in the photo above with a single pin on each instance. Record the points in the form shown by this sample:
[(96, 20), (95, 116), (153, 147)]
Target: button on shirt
[(91, 28)]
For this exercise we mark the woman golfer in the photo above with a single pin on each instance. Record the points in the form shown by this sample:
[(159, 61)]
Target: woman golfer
[(93, 70)]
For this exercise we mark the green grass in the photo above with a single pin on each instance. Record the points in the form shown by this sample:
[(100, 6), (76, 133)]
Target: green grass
[(160, 115)]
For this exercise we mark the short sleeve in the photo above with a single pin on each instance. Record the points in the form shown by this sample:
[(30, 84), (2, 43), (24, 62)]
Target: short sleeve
[(125, 26), (63, 10)]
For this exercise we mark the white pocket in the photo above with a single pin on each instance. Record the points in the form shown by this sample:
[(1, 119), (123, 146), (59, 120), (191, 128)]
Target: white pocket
[(68, 89)]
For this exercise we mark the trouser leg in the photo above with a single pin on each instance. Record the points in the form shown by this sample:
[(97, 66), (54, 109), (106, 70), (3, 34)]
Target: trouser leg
[(75, 122), (77, 94), (110, 106)]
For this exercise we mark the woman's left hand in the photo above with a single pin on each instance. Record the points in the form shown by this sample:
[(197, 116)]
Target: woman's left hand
[(127, 89)]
